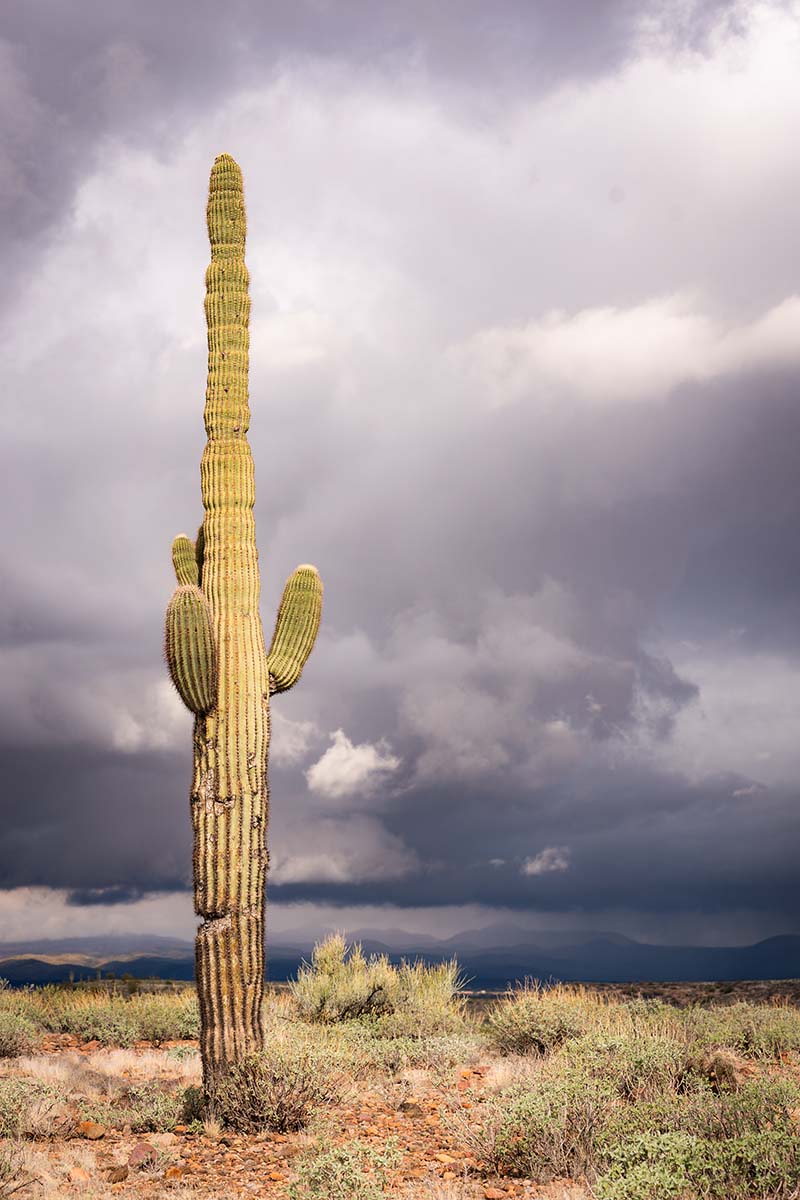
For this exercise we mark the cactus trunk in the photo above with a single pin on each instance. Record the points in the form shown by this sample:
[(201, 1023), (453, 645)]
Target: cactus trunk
[(220, 666)]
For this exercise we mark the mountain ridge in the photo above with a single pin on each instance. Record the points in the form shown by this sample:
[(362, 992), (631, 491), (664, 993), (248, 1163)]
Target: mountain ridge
[(587, 956)]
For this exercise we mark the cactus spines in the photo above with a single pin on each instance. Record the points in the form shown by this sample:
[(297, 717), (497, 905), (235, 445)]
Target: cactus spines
[(229, 797), (296, 627), (190, 648)]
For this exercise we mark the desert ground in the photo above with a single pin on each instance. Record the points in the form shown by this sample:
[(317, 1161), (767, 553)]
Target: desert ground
[(559, 1092)]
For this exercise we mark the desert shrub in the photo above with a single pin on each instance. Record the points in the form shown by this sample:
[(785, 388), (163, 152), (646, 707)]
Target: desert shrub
[(18, 1035), (30, 1109), (94, 1017), (758, 1104), (641, 1130), (760, 1165), (11, 1167), (759, 1031), (16, 1096), (735, 1146), (165, 1018), (400, 1053), (719, 1067), (649, 1010), (637, 1064), (353, 1171), (545, 1130), (427, 1000), (113, 1019), (761, 1103), (148, 1108), (341, 983), (276, 1090), (534, 1019), (193, 1106)]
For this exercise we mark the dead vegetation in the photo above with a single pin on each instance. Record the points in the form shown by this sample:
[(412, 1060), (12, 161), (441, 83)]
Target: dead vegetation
[(566, 1093)]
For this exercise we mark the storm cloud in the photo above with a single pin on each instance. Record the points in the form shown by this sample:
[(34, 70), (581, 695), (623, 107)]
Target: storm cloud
[(524, 381)]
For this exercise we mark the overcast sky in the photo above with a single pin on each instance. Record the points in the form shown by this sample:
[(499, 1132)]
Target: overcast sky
[(525, 386)]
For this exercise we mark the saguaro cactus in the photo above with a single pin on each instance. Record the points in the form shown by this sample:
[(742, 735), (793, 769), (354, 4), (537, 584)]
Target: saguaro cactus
[(218, 662)]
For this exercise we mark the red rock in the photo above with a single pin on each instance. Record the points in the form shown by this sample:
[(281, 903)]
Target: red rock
[(491, 1193), (142, 1155), (78, 1175), (91, 1130), (117, 1174), (173, 1172)]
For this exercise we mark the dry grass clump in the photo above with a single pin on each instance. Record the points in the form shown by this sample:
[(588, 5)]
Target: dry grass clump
[(537, 1019), (759, 1031), (341, 983)]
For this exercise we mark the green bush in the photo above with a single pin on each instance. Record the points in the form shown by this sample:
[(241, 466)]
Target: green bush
[(148, 1108), (637, 1064), (18, 1035), (341, 983), (534, 1019), (114, 1019), (759, 1031), (640, 1130), (354, 1171), (106, 1019), (361, 1048), (545, 1130), (276, 1090), (165, 1018), (29, 1108), (759, 1104), (762, 1165)]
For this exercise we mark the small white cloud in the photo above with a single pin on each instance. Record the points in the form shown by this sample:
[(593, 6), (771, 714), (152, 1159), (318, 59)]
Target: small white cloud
[(497, 862), (755, 789), (289, 740), (353, 849), (552, 858), (608, 355), (150, 718), (346, 769)]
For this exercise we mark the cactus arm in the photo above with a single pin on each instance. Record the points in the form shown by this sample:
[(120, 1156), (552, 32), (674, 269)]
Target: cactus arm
[(184, 561), (295, 629), (190, 648)]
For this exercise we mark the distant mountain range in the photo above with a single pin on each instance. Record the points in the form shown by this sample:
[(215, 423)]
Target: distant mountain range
[(490, 958)]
